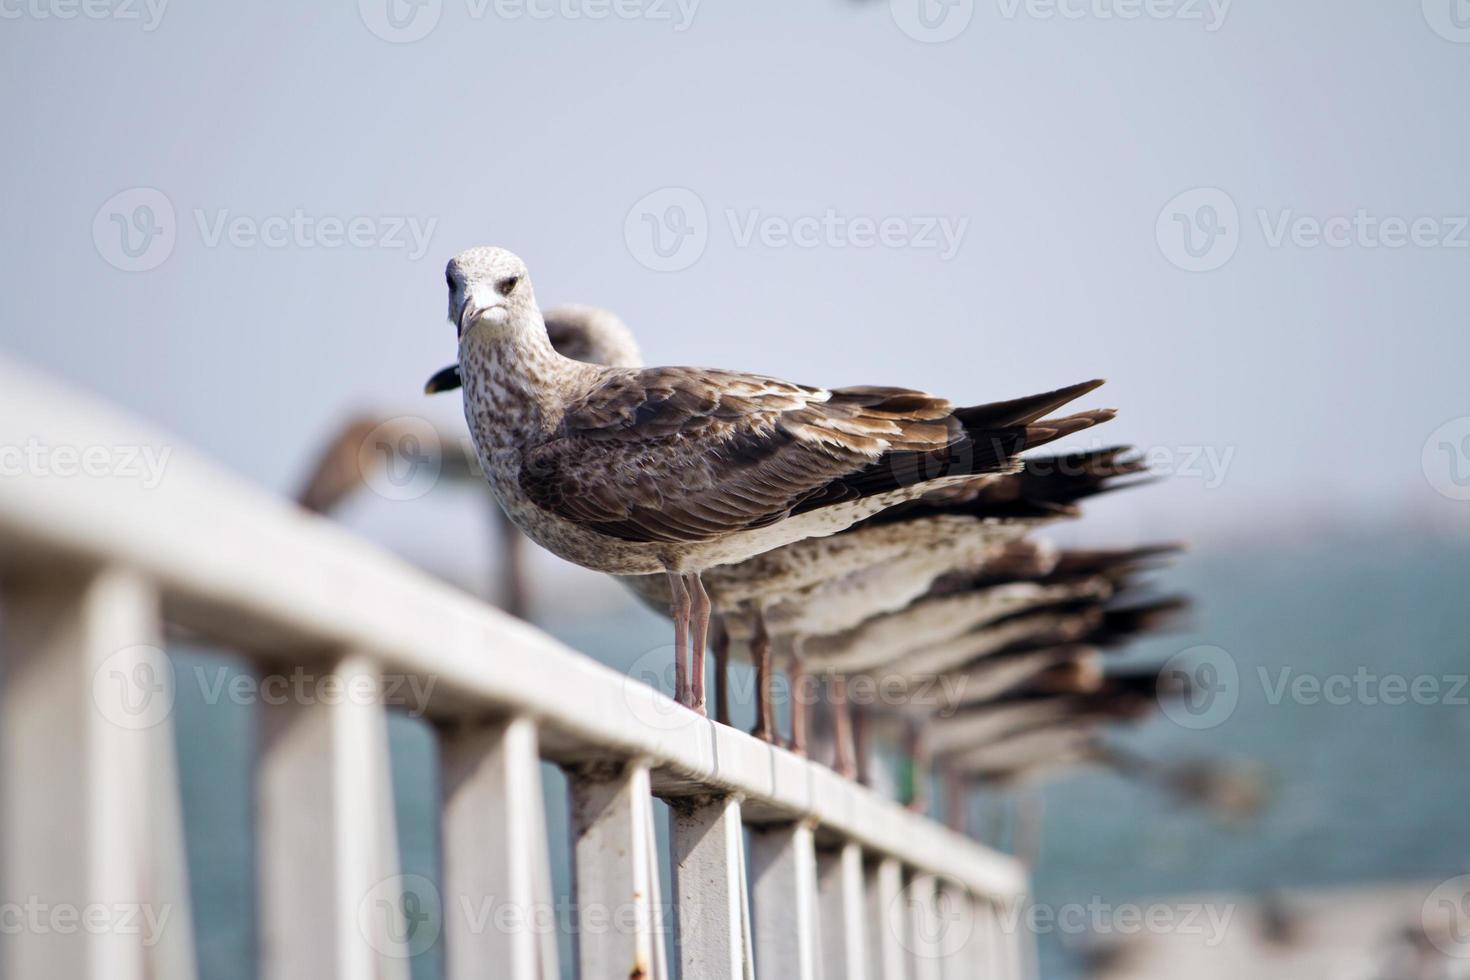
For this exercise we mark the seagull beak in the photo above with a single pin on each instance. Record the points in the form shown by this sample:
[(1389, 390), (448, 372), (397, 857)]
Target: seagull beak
[(446, 379), (476, 306)]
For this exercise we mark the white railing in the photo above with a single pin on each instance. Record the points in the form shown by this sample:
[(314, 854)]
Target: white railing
[(834, 881)]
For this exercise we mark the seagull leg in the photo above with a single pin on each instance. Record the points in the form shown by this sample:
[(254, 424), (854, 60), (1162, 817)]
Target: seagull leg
[(954, 800), (844, 753), (698, 639), (760, 652), (511, 592), (679, 609), (720, 647), (862, 742), (796, 674)]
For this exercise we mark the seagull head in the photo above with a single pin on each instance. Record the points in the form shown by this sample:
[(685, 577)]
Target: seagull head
[(488, 286)]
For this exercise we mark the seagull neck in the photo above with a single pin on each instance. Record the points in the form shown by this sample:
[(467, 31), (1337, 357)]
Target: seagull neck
[(519, 370)]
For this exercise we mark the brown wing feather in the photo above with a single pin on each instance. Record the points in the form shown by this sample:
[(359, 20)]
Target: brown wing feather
[(684, 454), (689, 454)]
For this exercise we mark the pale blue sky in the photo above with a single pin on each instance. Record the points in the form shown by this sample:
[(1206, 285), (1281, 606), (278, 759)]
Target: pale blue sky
[(1314, 374)]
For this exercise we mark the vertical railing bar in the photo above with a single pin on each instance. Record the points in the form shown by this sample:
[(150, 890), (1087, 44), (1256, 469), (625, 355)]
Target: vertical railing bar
[(843, 912), (783, 866), (1008, 950), (1006, 955), (332, 902), (1023, 945), (747, 922), (962, 931), (90, 792), (922, 895), (615, 872), (495, 851), (706, 840), (983, 955), (883, 898), (660, 918)]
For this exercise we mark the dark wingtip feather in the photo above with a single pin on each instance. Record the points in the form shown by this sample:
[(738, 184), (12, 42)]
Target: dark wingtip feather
[(1123, 624), (1050, 430), (1082, 562), (445, 379), (1024, 410)]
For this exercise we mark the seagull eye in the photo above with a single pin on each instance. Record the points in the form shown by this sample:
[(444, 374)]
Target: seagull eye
[(508, 285)]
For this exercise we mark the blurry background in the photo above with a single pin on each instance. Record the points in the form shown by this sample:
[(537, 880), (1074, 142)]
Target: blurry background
[(1250, 217)]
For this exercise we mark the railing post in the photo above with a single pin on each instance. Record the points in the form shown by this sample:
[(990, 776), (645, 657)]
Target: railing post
[(1008, 954), (783, 865), (89, 781), (963, 932), (887, 920), (712, 919), (615, 875), (982, 956), (495, 851), (843, 912), (924, 927), (1020, 948), (332, 904)]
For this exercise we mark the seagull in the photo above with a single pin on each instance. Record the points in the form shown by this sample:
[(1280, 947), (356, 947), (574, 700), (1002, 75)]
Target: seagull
[(824, 585), (676, 470)]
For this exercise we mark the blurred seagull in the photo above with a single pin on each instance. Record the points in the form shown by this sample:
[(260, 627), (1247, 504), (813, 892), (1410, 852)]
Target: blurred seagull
[(677, 470)]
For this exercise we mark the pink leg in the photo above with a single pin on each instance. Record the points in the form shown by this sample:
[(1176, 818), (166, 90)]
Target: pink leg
[(760, 651), (512, 594), (796, 674), (720, 647), (954, 799), (844, 754), (679, 608), (862, 739), (698, 639)]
